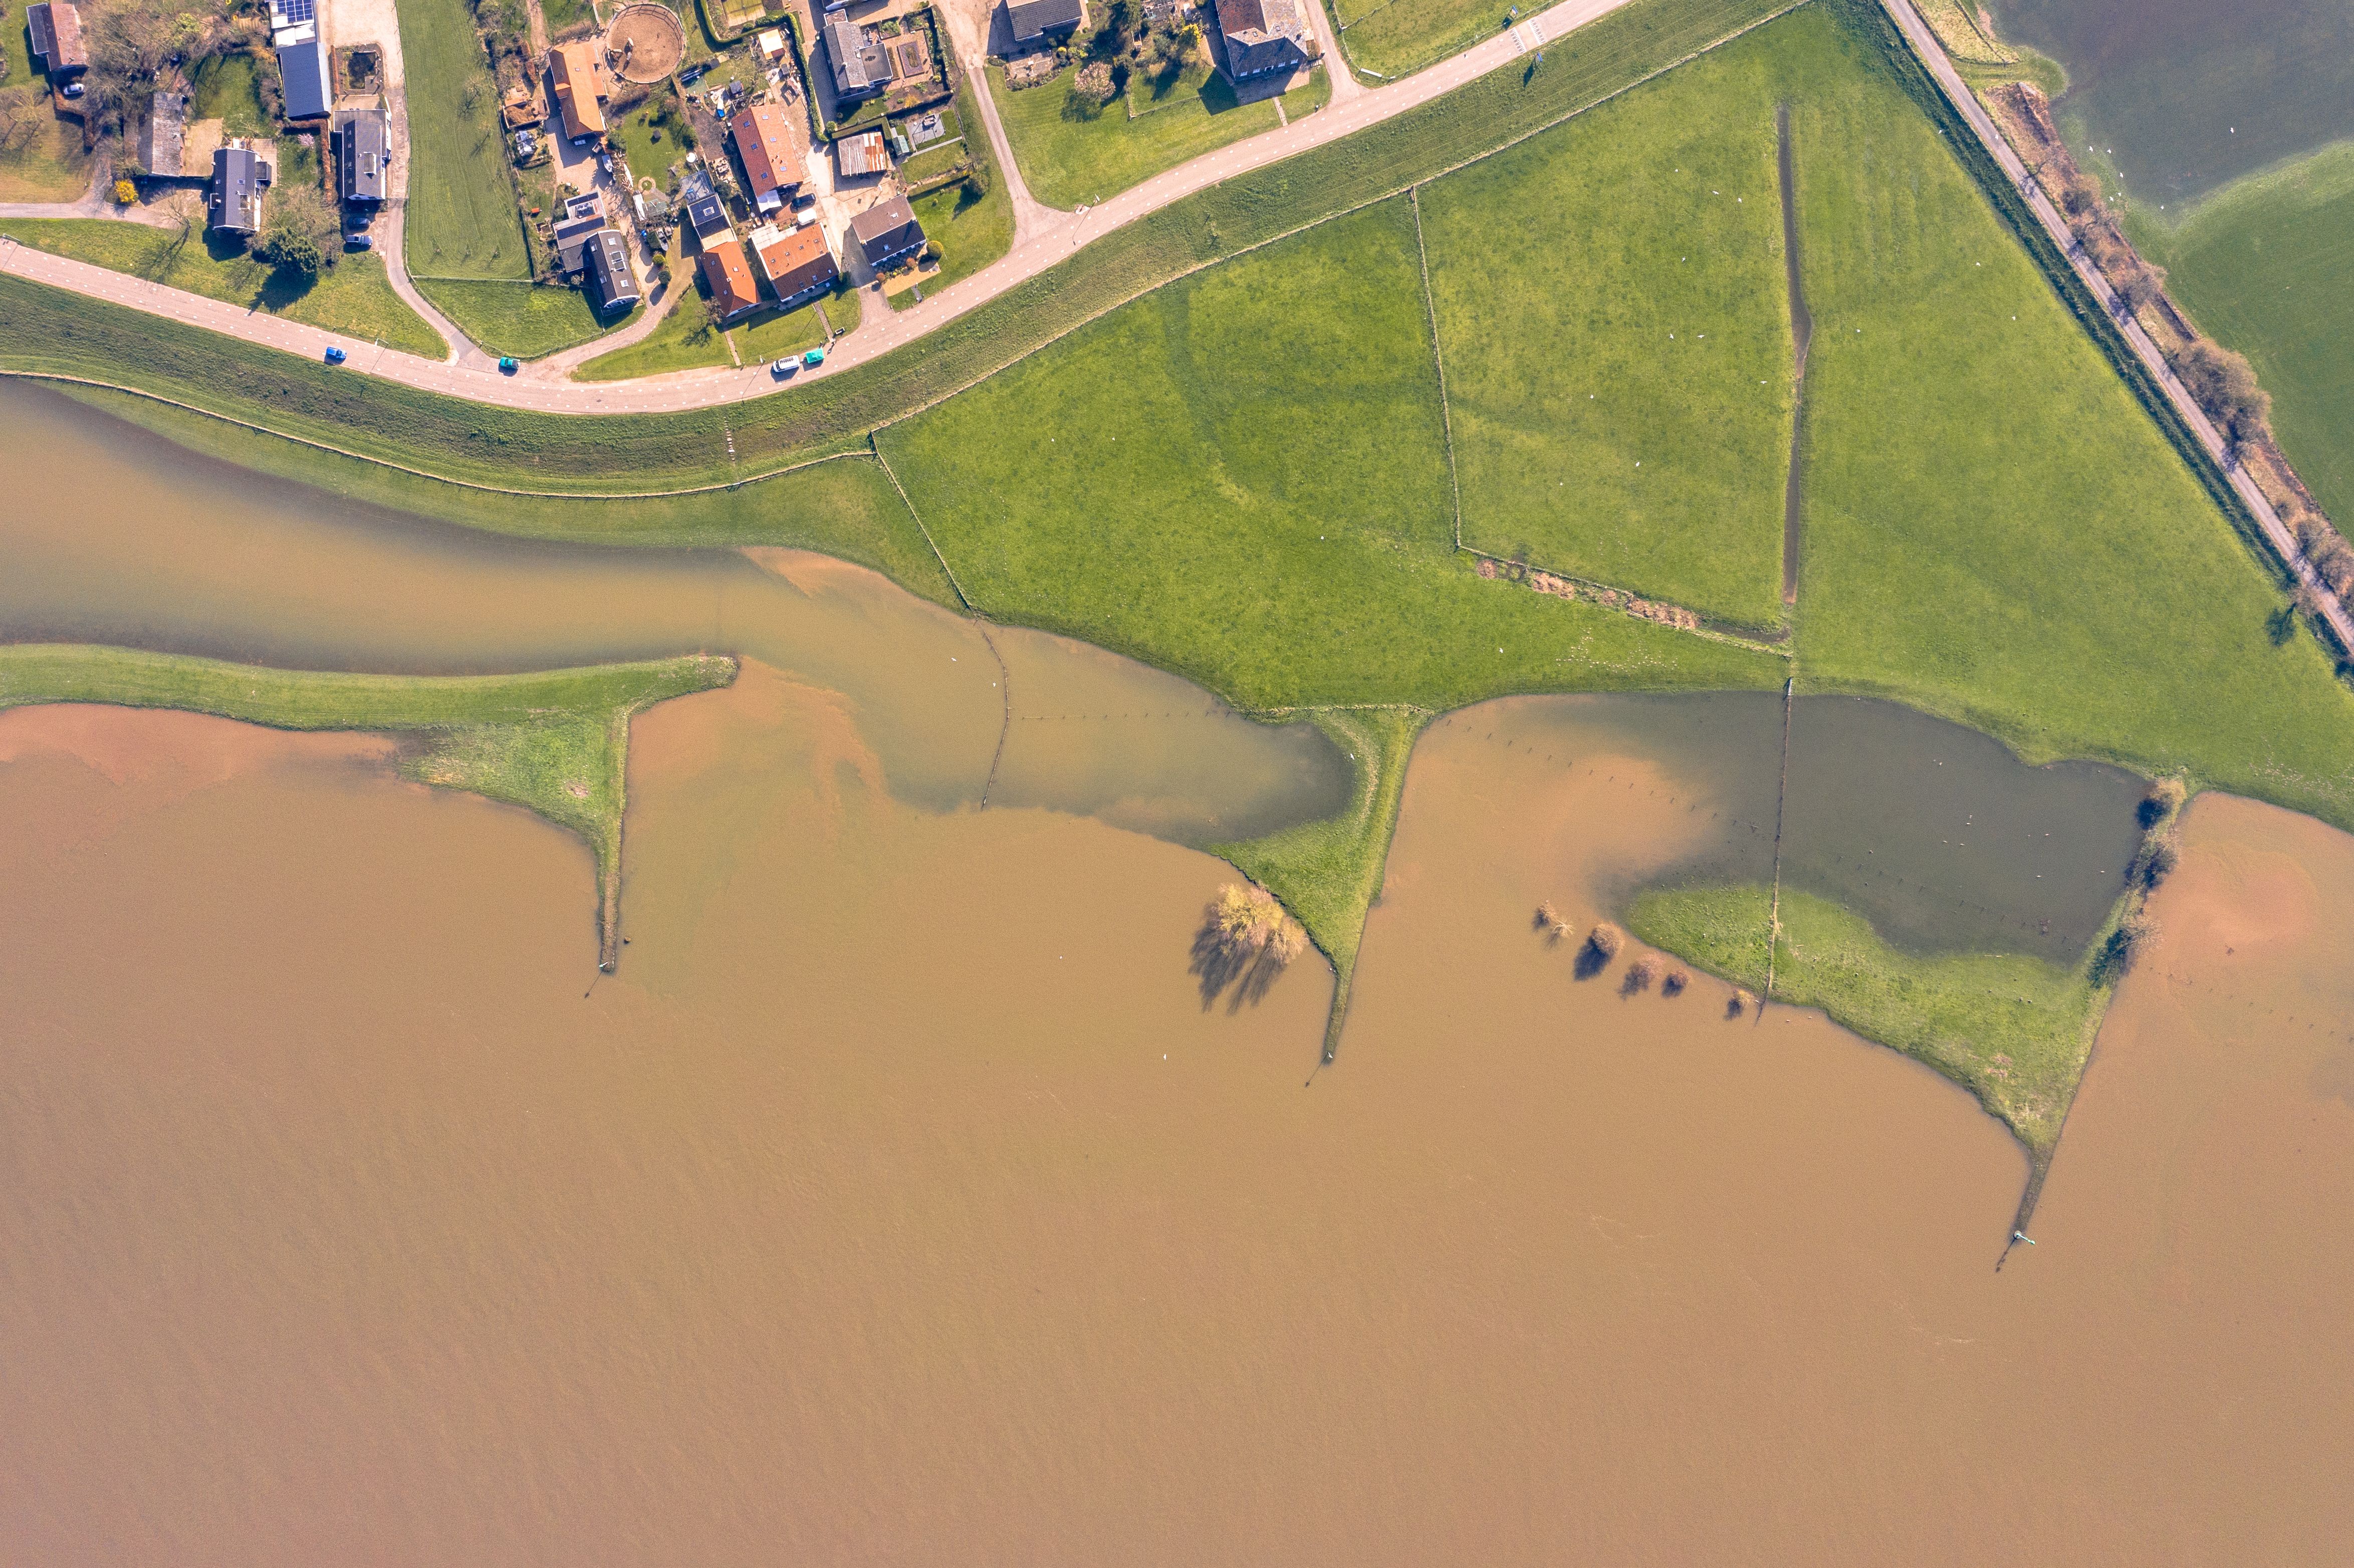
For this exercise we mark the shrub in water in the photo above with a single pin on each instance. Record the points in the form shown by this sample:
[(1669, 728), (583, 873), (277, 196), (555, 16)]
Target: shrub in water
[(1675, 983)]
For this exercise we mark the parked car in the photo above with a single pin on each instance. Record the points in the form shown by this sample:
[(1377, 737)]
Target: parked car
[(358, 242), (335, 356), (605, 163), (814, 358), (784, 367), (359, 219), (71, 90), (508, 365)]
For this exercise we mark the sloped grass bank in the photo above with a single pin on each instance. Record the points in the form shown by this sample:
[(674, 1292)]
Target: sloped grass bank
[(556, 743), (1328, 873), (529, 320), (1611, 303)]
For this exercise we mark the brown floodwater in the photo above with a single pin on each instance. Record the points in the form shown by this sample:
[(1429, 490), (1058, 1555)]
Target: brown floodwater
[(899, 1199)]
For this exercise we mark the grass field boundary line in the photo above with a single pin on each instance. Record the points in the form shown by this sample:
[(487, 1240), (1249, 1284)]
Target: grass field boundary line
[(949, 571), (1706, 633), (1438, 361), (419, 473), (1372, 201)]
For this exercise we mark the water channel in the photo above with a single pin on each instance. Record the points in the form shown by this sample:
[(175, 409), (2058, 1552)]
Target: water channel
[(900, 1201)]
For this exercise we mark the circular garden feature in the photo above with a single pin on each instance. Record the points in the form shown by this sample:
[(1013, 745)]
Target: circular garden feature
[(645, 43)]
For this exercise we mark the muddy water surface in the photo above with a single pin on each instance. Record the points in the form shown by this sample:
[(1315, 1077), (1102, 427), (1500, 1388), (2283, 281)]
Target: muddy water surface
[(900, 1201)]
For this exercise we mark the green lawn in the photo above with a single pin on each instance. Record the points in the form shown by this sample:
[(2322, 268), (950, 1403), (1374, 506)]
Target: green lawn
[(1241, 478), (555, 742), (45, 161), (770, 335), (971, 234), (1397, 38), (353, 296), (228, 87), (1612, 303), (562, 14), (2011, 1028), (1996, 530), (463, 221), (653, 135), (936, 159), (1069, 161), (688, 341), (2263, 265), (528, 321)]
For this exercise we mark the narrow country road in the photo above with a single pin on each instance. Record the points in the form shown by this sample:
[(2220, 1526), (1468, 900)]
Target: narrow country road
[(1949, 80), (472, 374)]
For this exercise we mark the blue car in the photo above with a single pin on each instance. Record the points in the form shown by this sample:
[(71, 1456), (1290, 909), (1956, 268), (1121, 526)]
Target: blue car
[(336, 355), (506, 364), (358, 242)]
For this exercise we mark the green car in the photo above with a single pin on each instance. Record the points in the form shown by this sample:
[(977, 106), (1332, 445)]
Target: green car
[(507, 364), (814, 358)]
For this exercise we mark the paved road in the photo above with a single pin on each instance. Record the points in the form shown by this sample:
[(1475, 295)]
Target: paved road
[(1926, 44), (474, 376)]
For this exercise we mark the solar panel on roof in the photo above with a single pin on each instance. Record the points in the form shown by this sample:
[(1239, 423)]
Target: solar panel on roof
[(287, 13)]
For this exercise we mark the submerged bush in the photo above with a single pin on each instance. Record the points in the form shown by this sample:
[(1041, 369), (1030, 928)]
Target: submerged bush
[(1640, 975), (2165, 798), (1675, 983)]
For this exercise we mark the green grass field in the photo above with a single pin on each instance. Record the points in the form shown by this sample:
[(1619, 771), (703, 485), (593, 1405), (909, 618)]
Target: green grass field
[(228, 87), (2261, 266), (1241, 478), (353, 296), (1612, 303), (2013, 1030), (529, 320), (41, 157), (555, 742), (463, 221), (1391, 39), (1067, 161)]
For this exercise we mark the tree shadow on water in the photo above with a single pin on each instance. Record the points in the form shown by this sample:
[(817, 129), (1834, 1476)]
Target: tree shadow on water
[(1237, 970)]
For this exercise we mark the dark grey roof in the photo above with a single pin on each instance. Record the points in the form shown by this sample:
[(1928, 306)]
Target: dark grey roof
[(1262, 35), (57, 40), (572, 236), (165, 133), (886, 230), (1034, 20), (858, 67), (609, 282), (234, 202), (363, 154), (303, 69), (705, 215)]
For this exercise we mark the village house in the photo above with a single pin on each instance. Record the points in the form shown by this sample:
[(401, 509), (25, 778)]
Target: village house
[(772, 140), (1042, 24), (1264, 36), (364, 156), (302, 66), (59, 53), (705, 214), (730, 278), (887, 232), (859, 71), (233, 202), (612, 286), (578, 79), (797, 262)]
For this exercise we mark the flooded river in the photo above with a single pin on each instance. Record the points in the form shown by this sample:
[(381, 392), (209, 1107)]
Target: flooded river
[(898, 1201)]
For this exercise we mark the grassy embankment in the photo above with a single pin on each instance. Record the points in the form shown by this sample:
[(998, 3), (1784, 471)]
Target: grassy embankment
[(1611, 300), (2262, 265), (1068, 161), (685, 339), (467, 250), (1328, 873), (971, 234), (1385, 39), (555, 742), (353, 296), (2012, 1029)]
